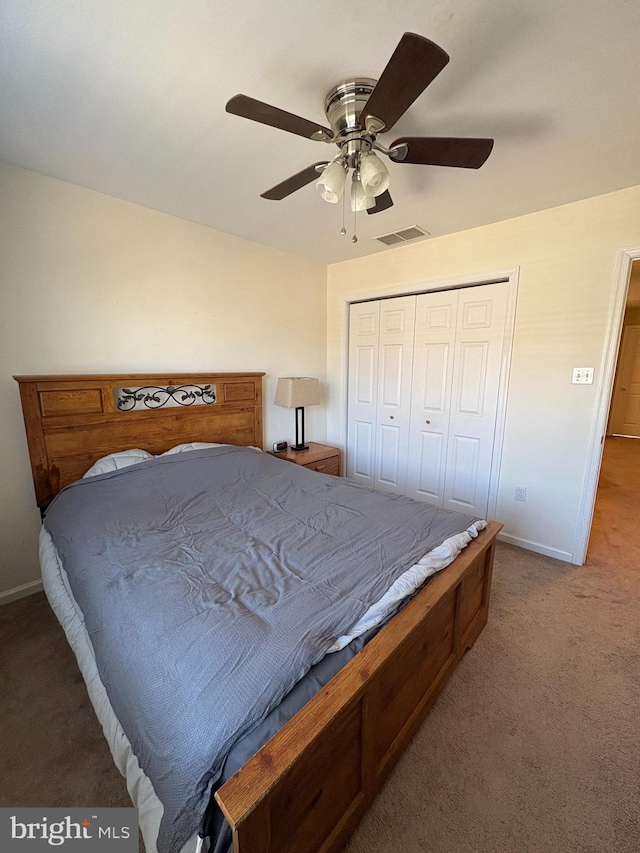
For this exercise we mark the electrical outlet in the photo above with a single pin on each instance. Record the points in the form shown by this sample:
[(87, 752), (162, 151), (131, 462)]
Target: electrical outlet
[(521, 493)]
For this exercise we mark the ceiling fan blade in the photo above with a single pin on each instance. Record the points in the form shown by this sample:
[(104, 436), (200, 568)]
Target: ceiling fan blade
[(465, 153), (241, 105), (383, 202), (416, 61), (295, 182)]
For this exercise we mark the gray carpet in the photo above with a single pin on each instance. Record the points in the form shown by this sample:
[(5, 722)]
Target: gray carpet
[(53, 749), (532, 746)]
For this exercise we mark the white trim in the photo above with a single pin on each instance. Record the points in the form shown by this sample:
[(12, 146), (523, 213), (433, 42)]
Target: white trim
[(556, 553), (471, 280), (20, 592), (503, 392), (604, 393), (511, 276)]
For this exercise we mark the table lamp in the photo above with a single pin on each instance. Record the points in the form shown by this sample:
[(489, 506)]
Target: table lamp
[(298, 392)]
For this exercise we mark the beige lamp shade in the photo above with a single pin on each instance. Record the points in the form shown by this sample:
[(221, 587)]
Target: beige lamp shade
[(294, 391)]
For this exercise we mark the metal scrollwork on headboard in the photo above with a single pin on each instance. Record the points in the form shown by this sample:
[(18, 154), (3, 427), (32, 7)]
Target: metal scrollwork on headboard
[(157, 396)]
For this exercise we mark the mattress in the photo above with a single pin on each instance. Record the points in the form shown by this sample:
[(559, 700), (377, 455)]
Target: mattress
[(140, 787)]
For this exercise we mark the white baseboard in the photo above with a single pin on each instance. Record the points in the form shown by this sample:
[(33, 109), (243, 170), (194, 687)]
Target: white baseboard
[(556, 553), (20, 592)]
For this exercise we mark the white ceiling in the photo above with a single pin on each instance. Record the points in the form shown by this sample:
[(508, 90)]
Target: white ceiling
[(127, 97)]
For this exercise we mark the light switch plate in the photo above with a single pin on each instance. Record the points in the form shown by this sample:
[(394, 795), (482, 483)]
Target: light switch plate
[(582, 376)]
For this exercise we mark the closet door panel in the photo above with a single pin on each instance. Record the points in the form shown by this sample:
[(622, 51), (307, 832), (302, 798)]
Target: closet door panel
[(436, 315), (476, 377), (464, 470), (364, 330), (365, 376), (397, 322), (362, 450), (390, 439), (427, 467), (473, 378), (391, 372)]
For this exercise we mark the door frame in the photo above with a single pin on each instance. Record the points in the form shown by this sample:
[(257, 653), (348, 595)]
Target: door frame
[(604, 394), (511, 277)]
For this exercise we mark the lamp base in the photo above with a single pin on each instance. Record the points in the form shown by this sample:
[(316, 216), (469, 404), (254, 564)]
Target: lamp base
[(299, 447)]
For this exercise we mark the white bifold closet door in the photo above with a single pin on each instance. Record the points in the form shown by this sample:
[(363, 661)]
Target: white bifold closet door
[(380, 371), (457, 365), (393, 415), (424, 374), (436, 319), (364, 333)]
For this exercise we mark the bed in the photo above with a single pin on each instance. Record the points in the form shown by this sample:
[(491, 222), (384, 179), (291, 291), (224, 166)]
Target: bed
[(307, 786)]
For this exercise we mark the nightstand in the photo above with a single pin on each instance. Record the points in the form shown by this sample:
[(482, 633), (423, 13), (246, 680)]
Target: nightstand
[(319, 457)]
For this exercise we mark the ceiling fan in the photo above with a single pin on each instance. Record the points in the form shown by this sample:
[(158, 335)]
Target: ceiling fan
[(358, 111)]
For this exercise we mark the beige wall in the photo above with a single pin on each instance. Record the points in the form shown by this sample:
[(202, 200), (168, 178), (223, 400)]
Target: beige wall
[(566, 257), (92, 284)]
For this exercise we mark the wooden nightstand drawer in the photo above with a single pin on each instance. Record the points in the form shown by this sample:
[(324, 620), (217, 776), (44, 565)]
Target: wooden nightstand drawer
[(326, 466), (317, 457)]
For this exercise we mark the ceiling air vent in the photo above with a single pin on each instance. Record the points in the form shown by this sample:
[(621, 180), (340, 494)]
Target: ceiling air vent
[(403, 236)]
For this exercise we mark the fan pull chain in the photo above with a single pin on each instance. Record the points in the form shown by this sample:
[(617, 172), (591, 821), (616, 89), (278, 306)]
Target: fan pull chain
[(343, 230), (354, 239)]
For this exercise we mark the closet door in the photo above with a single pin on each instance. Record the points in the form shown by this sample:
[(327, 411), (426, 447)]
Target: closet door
[(395, 360), (436, 320), (364, 331), (476, 377)]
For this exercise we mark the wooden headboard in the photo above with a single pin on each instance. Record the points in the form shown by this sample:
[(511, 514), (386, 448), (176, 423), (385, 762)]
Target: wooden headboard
[(71, 421)]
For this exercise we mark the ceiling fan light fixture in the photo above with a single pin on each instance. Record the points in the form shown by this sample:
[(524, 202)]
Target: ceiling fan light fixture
[(374, 175), (330, 184), (359, 199), (358, 110)]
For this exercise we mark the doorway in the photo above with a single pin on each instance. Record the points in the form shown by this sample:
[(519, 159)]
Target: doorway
[(614, 529)]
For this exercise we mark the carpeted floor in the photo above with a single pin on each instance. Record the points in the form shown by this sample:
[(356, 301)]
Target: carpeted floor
[(532, 747)]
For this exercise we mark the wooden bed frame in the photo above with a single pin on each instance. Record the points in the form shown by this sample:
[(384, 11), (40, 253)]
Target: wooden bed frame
[(71, 421), (307, 788)]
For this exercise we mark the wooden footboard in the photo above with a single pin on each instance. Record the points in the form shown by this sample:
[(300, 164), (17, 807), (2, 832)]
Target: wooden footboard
[(307, 788)]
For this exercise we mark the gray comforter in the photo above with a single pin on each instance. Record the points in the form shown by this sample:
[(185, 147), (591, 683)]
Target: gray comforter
[(210, 583)]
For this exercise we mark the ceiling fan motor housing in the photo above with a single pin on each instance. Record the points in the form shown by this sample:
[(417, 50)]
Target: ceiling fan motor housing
[(343, 107), (345, 102)]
